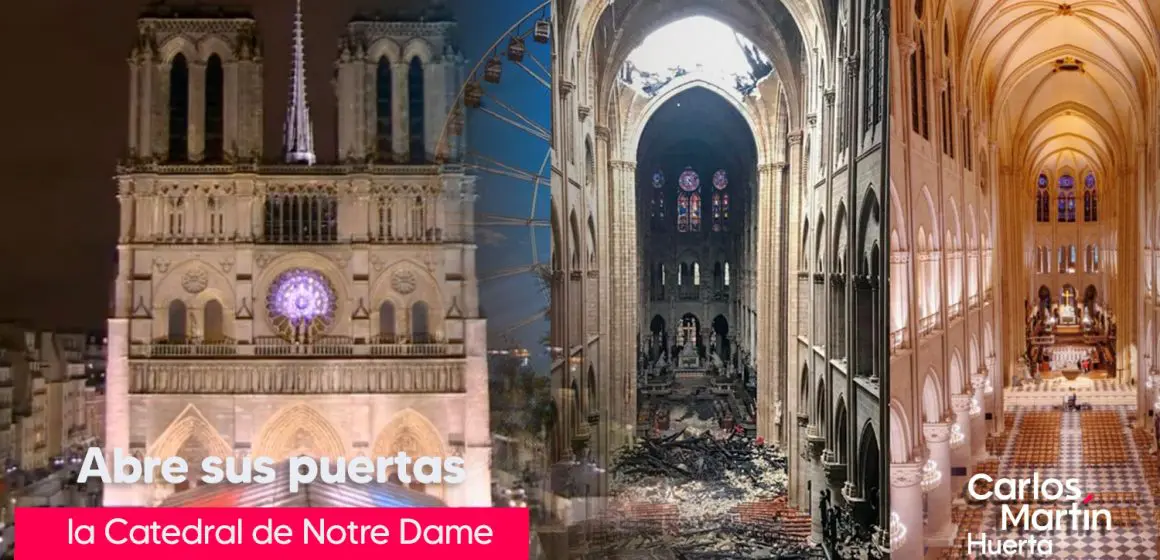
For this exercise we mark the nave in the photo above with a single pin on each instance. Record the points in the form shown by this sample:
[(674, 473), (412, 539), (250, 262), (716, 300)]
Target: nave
[(1112, 460)]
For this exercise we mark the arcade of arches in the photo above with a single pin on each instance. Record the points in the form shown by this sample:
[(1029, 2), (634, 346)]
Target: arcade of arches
[(1023, 172), (722, 233)]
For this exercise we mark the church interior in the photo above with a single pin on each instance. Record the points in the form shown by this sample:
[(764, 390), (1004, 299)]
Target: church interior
[(1024, 161), (717, 257)]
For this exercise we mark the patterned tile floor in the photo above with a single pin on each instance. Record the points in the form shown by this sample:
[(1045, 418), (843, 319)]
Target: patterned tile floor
[(1128, 542)]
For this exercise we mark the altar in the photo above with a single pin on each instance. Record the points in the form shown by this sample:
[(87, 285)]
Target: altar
[(688, 363)]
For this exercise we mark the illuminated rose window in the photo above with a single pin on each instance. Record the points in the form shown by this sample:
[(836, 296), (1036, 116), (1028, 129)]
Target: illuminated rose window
[(301, 303)]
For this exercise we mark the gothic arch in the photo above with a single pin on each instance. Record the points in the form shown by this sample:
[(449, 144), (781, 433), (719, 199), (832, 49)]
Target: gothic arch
[(957, 379), (179, 44), (190, 423), (417, 47), (426, 288), (636, 122), (180, 282), (973, 356), (214, 44), (870, 217), (411, 432), (385, 47), (900, 438), (869, 457), (932, 399), (295, 429), (574, 236), (841, 430), (805, 14), (557, 248)]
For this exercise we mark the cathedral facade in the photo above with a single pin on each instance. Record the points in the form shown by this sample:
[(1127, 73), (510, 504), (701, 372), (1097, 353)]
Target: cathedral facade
[(796, 270), (294, 307)]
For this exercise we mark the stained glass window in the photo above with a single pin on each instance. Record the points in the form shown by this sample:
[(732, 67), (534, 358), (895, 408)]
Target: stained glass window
[(724, 211), (1042, 201), (301, 303), (1091, 212), (1066, 204), (716, 212), (689, 206), (658, 200), (695, 212), (720, 180), (689, 181)]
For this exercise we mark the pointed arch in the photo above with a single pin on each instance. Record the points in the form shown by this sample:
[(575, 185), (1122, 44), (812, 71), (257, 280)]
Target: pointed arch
[(411, 432), (957, 379), (189, 424), (841, 429), (298, 429), (932, 400), (900, 437)]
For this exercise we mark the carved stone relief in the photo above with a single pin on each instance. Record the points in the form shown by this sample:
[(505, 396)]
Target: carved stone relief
[(403, 281), (263, 259), (195, 280)]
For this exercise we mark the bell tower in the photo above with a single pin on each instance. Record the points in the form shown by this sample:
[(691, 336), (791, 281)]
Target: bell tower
[(195, 86), (395, 82)]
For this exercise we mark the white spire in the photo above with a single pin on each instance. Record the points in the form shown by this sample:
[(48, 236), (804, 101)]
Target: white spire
[(298, 133)]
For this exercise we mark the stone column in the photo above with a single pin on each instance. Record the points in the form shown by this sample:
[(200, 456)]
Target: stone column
[(767, 286), (793, 309), (961, 448), (906, 501), (978, 434), (941, 532), (624, 287), (400, 122)]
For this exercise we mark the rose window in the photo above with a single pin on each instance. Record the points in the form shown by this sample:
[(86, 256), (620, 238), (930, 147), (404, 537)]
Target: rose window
[(301, 304)]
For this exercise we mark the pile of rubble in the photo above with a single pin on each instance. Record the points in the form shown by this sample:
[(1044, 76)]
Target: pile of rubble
[(691, 494)]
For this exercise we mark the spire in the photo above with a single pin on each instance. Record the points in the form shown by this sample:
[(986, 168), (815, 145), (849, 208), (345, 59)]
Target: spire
[(298, 133)]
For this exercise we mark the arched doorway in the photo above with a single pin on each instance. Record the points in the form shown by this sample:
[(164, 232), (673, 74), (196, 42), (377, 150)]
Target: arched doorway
[(1089, 295), (658, 341), (869, 466), (721, 342)]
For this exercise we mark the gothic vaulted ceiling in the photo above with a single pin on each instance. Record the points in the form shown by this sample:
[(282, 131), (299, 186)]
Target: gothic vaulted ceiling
[(1066, 84)]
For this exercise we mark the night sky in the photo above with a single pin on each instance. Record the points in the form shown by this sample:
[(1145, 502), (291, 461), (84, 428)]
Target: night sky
[(64, 114)]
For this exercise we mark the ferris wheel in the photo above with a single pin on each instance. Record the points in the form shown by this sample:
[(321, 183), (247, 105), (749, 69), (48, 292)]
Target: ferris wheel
[(499, 126)]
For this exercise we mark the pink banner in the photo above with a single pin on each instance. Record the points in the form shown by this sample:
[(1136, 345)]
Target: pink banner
[(288, 534)]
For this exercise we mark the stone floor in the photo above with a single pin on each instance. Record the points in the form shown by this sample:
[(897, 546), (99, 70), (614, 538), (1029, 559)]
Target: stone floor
[(1126, 486)]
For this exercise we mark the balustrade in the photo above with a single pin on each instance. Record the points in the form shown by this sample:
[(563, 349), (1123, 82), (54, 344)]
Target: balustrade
[(898, 340), (274, 347), (928, 324)]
